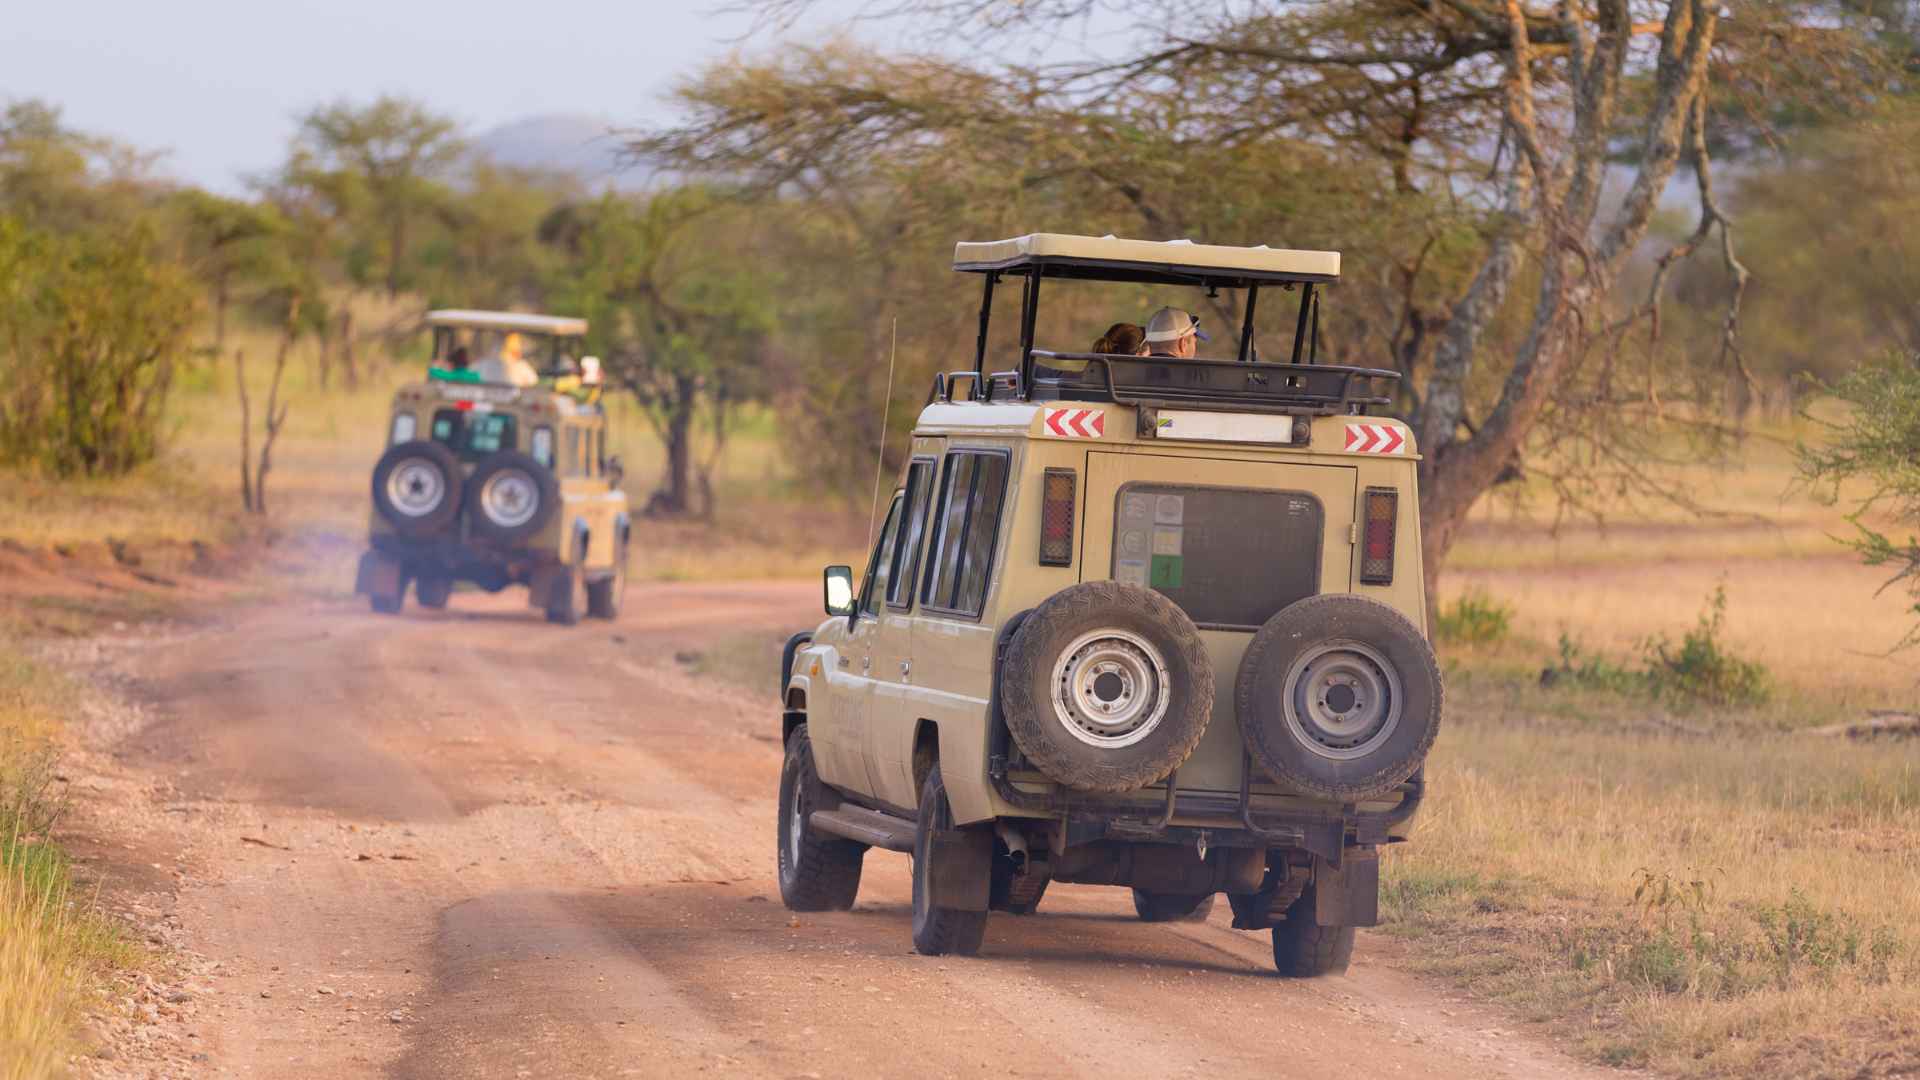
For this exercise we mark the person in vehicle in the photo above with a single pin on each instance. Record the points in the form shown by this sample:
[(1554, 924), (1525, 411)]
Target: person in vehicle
[(510, 367), (459, 359), (1123, 339), (1174, 333)]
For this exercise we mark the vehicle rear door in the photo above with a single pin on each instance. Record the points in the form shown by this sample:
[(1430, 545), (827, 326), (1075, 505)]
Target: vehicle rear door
[(1231, 541)]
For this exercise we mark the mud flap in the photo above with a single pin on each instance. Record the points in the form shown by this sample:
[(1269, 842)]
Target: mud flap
[(1347, 894), (960, 869), (541, 584), (378, 575)]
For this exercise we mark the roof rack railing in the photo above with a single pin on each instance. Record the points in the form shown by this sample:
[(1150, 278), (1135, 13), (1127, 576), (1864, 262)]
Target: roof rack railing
[(1323, 389)]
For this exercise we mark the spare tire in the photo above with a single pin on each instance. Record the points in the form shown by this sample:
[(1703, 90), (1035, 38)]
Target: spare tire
[(1107, 687), (1339, 697), (510, 497), (416, 487)]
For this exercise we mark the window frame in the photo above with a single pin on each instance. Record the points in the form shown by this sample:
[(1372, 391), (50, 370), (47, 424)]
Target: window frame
[(860, 608), (909, 573), (927, 605)]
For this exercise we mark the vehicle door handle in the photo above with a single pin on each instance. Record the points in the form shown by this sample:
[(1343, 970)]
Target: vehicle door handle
[(906, 668)]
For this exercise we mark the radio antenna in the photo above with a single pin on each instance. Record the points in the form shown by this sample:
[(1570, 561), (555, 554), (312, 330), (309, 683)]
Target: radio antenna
[(880, 456)]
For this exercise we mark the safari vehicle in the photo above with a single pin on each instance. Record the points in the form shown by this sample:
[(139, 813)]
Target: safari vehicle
[(499, 484), (1156, 623)]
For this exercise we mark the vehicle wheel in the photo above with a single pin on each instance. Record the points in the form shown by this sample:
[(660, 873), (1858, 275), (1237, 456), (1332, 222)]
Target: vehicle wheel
[(1172, 907), (1303, 949), (416, 487), (1339, 697), (1107, 687), (432, 592), (817, 872), (936, 930), (568, 599), (605, 596), (1017, 894), (510, 497)]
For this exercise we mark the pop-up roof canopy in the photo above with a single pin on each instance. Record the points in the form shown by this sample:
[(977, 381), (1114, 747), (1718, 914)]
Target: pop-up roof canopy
[(556, 325), (1158, 262)]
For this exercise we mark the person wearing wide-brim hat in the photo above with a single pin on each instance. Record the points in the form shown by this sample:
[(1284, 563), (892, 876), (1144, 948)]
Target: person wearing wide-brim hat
[(1173, 332)]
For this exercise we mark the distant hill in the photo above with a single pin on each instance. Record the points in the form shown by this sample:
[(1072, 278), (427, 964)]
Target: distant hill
[(573, 143)]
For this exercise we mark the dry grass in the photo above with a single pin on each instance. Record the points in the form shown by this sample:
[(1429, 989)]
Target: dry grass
[(54, 950), (1800, 953)]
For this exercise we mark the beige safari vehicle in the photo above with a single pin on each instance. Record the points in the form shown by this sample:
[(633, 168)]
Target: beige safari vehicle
[(496, 473), (1132, 621)]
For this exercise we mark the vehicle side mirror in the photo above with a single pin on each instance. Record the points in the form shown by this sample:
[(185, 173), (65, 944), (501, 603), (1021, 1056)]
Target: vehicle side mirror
[(839, 587)]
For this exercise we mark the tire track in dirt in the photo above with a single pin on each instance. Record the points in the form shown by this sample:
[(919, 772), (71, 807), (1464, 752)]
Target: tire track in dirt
[(507, 849)]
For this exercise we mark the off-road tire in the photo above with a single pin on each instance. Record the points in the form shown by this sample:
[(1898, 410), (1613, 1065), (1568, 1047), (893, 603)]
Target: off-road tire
[(605, 596), (432, 592), (1264, 702), (819, 872), (1172, 907), (418, 453), (939, 931), (543, 487), (1028, 690), (1303, 949), (1017, 894)]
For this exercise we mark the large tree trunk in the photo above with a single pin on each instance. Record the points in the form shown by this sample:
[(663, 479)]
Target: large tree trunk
[(676, 486)]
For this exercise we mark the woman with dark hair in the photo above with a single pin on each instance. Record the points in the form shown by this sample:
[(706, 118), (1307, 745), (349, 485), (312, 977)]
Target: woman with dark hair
[(1122, 339)]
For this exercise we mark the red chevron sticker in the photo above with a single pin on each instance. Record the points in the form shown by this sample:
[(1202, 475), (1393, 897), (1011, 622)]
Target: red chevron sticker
[(1375, 439), (1076, 423)]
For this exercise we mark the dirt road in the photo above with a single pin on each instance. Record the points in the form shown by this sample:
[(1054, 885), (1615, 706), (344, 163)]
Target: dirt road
[(471, 844)]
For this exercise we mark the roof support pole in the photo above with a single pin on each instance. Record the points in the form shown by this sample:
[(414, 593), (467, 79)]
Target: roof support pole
[(1300, 327), (1246, 325), (1029, 311), (986, 310)]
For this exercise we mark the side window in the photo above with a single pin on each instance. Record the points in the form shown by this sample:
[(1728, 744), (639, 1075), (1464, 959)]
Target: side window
[(906, 555), (880, 566), (960, 564), (447, 428), (543, 445)]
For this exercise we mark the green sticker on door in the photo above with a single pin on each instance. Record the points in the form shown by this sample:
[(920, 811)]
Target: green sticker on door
[(1166, 571)]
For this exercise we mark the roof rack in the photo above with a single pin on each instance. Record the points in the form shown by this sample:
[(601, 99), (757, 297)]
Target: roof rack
[(1317, 389)]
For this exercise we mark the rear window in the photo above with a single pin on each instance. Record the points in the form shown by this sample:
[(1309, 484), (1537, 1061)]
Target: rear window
[(1230, 557), (473, 435)]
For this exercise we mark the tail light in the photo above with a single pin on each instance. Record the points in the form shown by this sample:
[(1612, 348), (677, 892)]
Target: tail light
[(1056, 517), (1376, 556)]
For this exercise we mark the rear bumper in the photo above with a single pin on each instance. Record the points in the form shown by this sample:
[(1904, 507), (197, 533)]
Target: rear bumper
[(456, 559)]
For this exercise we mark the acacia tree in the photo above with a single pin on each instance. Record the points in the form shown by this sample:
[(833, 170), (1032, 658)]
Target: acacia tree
[(676, 316), (1496, 130), (393, 152)]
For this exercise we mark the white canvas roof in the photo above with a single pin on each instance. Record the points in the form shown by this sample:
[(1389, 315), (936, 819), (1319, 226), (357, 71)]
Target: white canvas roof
[(1148, 256), (508, 320)]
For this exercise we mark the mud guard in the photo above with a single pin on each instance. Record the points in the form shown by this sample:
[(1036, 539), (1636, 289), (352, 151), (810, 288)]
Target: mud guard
[(540, 584), (1347, 893), (378, 575), (960, 868)]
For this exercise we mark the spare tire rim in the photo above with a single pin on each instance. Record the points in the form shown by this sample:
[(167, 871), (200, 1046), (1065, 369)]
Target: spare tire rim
[(1342, 699), (510, 498), (1110, 688), (416, 487)]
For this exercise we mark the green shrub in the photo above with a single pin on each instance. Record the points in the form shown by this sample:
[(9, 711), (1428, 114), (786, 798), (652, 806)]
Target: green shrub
[(92, 327), (1474, 618), (1701, 669)]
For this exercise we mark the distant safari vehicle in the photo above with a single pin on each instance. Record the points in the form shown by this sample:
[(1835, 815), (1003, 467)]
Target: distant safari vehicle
[(1153, 621), (496, 473)]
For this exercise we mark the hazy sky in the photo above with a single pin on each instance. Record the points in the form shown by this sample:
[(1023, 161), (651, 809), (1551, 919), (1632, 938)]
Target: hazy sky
[(216, 83)]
